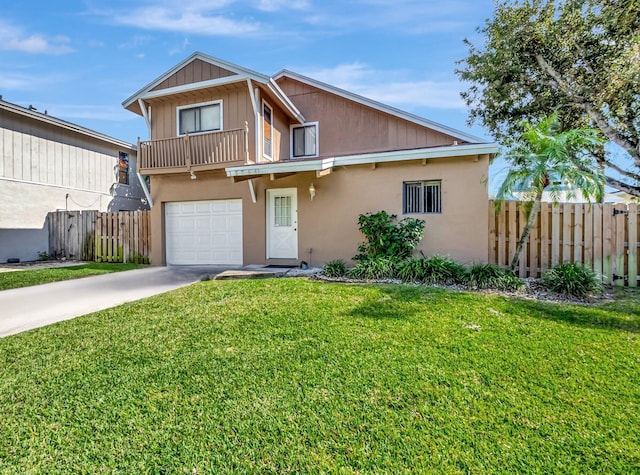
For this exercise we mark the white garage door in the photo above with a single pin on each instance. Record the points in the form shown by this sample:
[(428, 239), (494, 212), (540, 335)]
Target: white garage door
[(204, 232)]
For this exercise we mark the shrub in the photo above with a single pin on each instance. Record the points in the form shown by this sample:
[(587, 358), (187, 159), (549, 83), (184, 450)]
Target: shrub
[(490, 276), (571, 279), (335, 268), (381, 267), (433, 270), (384, 238), (43, 256)]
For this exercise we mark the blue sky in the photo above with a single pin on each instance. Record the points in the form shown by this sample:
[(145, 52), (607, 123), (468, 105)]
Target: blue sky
[(80, 59)]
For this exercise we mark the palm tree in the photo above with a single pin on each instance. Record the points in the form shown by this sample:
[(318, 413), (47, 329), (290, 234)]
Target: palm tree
[(545, 155)]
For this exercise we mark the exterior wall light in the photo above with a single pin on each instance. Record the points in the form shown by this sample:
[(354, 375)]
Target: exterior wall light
[(312, 191), (193, 176)]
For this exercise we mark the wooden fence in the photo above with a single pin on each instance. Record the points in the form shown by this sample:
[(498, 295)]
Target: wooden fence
[(100, 236), (603, 237)]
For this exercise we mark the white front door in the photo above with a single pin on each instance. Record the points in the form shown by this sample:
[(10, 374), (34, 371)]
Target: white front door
[(282, 224)]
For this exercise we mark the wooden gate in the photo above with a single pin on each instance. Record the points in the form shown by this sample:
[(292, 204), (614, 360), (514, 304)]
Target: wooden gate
[(100, 236)]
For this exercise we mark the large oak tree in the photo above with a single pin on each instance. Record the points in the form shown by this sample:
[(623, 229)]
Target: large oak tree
[(579, 58)]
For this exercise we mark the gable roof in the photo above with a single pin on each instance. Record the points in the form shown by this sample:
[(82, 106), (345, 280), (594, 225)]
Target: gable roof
[(379, 106), (240, 75), (63, 124)]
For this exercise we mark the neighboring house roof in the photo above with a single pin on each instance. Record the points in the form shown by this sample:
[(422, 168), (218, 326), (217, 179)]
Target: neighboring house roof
[(240, 74), (46, 118), (379, 106)]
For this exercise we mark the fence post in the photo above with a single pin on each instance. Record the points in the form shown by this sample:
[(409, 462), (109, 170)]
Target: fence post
[(619, 255), (632, 239)]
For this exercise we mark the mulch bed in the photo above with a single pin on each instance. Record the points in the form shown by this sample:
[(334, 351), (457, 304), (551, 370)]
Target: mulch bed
[(532, 289)]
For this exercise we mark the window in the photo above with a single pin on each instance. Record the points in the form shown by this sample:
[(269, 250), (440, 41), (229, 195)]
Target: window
[(421, 197), (123, 168), (282, 211), (266, 129), (205, 117), (304, 141)]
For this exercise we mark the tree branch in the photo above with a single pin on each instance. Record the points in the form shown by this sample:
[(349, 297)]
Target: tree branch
[(600, 120), (619, 185), (622, 171)]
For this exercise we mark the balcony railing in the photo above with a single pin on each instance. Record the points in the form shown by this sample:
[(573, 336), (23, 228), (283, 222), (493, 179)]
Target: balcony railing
[(201, 151)]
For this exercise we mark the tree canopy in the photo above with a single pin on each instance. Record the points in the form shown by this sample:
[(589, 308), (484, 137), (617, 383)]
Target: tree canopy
[(579, 58)]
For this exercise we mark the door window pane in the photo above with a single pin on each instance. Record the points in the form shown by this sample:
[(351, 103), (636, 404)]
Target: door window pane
[(282, 211)]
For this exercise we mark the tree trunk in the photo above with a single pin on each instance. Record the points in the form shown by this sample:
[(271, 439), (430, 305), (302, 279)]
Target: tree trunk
[(527, 230)]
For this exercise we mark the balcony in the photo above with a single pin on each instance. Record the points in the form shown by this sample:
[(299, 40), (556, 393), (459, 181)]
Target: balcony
[(206, 151)]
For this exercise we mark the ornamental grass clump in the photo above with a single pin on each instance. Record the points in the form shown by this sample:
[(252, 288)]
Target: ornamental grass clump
[(335, 268), (571, 279), (380, 267), (432, 270), (490, 276)]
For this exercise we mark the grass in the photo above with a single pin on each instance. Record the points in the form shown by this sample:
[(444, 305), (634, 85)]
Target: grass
[(26, 278), (289, 375)]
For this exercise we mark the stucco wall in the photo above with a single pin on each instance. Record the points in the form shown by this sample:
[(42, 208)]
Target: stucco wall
[(327, 226)]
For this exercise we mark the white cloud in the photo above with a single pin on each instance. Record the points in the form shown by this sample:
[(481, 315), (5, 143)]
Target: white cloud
[(181, 48), (406, 16), (136, 41), (13, 38), (391, 87), (276, 5), (193, 17), (30, 82), (15, 82), (72, 112), (438, 95)]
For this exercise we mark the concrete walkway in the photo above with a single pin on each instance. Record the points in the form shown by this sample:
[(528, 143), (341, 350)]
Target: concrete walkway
[(32, 307)]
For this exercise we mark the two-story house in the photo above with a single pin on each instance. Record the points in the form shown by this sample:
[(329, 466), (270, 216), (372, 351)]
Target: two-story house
[(253, 169), (48, 164)]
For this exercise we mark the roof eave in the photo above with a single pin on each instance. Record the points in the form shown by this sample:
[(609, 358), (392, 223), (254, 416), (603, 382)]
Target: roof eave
[(320, 164)]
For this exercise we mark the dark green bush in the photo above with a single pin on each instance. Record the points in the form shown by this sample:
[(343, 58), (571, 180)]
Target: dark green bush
[(335, 268), (490, 276), (432, 270), (384, 238), (571, 279), (381, 267)]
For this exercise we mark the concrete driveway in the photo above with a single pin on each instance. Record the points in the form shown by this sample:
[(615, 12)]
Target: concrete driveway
[(37, 306)]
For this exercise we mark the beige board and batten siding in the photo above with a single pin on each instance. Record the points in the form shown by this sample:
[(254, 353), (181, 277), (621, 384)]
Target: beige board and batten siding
[(236, 109), (347, 127), (196, 71), (327, 226)]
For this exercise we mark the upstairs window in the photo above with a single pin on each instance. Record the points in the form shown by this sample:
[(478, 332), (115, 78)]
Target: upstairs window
[(123, 168), (304, 141), (267, 123), (421, 197), (198, 118)]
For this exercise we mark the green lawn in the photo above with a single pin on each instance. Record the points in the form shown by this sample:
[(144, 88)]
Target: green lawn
[(290, 375), (26, 278)]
